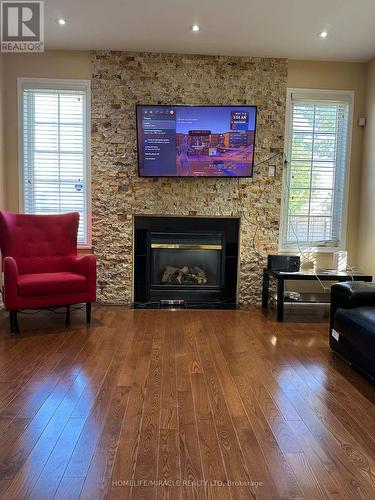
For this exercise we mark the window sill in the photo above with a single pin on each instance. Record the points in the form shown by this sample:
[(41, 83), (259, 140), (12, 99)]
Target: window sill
[(84, 248), (299, 250)]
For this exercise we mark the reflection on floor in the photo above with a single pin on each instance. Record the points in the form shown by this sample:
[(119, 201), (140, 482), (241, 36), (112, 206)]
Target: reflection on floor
[(195, 404)]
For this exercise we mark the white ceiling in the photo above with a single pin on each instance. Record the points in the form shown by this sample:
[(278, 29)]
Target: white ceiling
[(269, 28)]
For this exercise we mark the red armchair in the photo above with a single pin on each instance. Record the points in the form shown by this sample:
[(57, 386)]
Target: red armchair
[(40, 263)]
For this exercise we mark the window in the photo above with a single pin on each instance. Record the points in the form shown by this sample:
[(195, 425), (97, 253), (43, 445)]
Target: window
[(54, 148), (318, 132)]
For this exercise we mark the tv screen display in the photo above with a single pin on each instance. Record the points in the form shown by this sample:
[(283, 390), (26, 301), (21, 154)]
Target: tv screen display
[(196, 141)]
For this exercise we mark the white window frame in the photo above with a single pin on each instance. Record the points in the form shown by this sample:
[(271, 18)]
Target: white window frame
[(319, 95), (56, 84)]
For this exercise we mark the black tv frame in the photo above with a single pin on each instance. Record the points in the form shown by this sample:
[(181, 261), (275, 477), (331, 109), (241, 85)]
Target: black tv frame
[(197, 176)]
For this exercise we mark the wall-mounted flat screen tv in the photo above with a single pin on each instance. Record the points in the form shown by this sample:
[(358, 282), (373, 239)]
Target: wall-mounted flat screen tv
[(196, 141)]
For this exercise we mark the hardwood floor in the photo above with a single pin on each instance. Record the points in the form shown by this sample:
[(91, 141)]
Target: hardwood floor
[(172, 405)]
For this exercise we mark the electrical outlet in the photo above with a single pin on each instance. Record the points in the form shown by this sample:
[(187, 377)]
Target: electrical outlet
[(272, 170)]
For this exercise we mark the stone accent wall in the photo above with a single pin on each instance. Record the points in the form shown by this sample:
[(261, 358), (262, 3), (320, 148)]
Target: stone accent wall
[(119, 81)]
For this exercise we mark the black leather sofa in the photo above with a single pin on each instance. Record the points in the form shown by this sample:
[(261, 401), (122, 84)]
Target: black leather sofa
[(352, 325)]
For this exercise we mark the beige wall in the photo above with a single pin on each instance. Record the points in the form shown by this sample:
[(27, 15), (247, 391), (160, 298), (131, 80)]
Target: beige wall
[(366, 240), (2, 142), (50, 64), (340, 76)]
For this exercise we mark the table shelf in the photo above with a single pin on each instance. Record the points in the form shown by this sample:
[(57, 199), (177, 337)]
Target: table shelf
[(305, 298)]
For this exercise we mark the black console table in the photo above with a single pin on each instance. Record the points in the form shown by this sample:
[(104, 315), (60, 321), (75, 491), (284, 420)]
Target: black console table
[(305, 298)]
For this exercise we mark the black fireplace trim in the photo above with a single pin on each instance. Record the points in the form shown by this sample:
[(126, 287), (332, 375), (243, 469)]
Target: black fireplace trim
[(205, 297)]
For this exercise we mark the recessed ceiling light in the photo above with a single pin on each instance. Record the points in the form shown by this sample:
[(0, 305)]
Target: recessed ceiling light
[(322, 34), (60, 21), (194, 27)]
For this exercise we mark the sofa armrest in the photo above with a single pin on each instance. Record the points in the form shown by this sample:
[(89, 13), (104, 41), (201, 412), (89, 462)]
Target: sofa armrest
[(86, 266), (351, 294), (10, 283)]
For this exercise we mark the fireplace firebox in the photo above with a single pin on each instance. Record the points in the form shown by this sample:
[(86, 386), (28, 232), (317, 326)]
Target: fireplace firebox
[(185, 261)]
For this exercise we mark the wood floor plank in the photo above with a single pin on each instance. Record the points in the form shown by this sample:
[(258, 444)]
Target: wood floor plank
[(191, 464), (360, 432), (168, 465), (232, 397), (347, 472), (112, 427), (212, 460), (24, 480), (97, 481), (190, 454), (127, 372), (235, 464), (126, 457), (342, 390), (280, 364), (62, 401), (260, 475), (363, 460), (321, 408), (279, 467), (27, 401), (310, 484), (80, 460), (69, 489), (255, 461), (215, 404), (48, 423), (31, 363), (13, 351), (99, 369), (168, 417), (239, 363), (50, 477), (321, 463), (146, 466)]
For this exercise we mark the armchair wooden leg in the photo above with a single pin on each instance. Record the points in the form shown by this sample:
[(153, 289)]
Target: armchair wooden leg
[(67, 317), (13, 322), (88, 312)]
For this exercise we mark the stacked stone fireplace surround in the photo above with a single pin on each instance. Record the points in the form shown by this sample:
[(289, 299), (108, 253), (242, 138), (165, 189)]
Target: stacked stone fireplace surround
[(120, 80)]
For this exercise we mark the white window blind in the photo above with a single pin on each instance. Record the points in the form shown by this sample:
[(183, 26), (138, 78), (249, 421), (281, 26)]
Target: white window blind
[(55, 159), (315, 180)]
